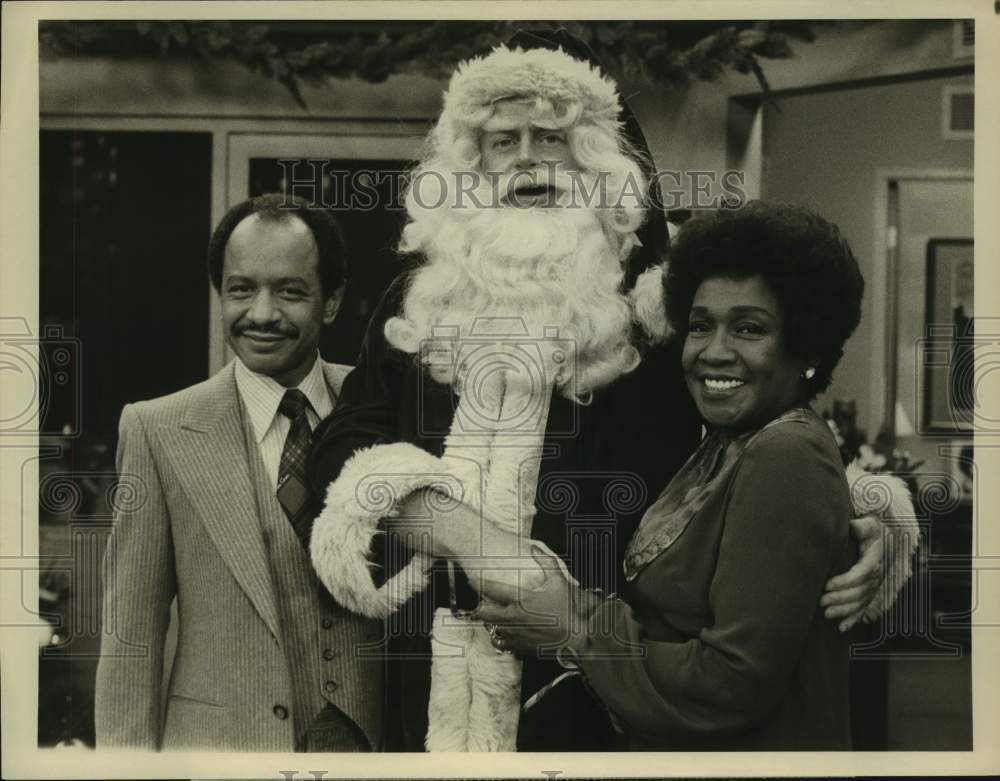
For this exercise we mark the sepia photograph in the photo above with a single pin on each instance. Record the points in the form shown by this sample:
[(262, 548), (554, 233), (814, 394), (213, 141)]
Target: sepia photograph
[(417, 382)]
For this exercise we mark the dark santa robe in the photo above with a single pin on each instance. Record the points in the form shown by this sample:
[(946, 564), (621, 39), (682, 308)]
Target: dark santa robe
[(604, 463)]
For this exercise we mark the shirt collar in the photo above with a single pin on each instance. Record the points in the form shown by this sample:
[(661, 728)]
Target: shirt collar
[(262, 394)]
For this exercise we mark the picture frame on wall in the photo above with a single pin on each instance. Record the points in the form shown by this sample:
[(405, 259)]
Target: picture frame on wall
[(961, 464), (949, 360)]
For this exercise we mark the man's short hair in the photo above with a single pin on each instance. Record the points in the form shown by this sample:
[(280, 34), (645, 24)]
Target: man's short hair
[(277, 206)]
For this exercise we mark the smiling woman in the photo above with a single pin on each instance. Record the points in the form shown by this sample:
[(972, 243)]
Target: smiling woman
[(736, 652), (737, 367), (718, 641), (794, 270)]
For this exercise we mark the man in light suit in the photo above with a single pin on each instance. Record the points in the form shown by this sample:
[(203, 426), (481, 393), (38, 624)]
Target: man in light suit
[(265, 659)]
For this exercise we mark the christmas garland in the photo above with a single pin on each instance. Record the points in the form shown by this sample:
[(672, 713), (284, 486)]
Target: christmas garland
[(297, 54)]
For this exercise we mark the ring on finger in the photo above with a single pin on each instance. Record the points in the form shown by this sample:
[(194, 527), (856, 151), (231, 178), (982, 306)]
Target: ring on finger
[(498, 645)]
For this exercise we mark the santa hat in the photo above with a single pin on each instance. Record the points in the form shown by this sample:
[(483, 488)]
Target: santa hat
[(557, 68), (573, 89)]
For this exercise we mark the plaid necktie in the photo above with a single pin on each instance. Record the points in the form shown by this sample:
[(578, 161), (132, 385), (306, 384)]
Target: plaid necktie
[(293, 491)]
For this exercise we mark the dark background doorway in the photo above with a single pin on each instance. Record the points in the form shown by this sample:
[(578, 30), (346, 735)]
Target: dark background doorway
[(124, 221), (365, 198)]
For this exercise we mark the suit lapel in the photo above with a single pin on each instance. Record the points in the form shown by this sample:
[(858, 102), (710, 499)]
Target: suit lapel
[(209, 454)]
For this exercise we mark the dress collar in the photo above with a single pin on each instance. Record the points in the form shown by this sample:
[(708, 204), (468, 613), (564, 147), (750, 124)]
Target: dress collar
[(708, 469)]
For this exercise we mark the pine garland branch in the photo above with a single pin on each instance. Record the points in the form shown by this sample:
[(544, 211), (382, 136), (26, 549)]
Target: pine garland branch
[(665, 53)]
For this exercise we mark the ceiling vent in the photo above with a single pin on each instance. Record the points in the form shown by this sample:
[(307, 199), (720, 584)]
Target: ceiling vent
[(963, 39), (958, 112)]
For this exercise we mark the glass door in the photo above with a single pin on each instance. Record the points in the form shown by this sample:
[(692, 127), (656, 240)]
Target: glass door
[(359, 178)]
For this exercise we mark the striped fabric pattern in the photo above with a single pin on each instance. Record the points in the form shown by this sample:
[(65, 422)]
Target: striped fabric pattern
[(262, 396), (194, 533), (357, 689)]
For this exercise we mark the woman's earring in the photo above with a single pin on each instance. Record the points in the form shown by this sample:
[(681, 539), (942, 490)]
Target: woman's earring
[(809, 373)]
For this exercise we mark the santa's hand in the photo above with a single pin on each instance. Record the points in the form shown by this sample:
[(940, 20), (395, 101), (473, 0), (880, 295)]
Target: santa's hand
[(503, 580), (547, 616), (506, 579), (847, 595)]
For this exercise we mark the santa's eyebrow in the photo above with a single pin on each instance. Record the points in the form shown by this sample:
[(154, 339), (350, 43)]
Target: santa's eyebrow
[(514, 97)]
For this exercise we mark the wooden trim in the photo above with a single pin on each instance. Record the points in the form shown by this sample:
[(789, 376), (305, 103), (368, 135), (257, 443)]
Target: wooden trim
[(882, 411), (966, 69)]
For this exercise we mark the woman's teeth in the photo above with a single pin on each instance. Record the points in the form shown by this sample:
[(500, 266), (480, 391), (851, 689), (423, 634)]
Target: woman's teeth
[(723, 384)]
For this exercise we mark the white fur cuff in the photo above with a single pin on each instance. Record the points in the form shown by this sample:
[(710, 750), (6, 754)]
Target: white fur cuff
[(370, 487)]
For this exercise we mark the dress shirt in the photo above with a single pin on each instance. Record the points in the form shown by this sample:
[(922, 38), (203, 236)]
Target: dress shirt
[(261, 396)]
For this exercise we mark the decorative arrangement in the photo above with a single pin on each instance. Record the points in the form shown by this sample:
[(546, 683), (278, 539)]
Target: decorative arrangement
[(298, 53), (880, 456)]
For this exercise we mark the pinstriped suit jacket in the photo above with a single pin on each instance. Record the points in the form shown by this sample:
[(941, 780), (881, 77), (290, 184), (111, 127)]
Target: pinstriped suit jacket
[(194, 533)]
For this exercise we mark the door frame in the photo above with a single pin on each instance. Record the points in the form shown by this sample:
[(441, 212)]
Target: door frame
[(884, 284), (402, 140), (360, 135)]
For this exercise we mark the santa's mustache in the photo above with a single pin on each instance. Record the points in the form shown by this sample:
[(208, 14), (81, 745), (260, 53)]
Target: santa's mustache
[(541, 186)]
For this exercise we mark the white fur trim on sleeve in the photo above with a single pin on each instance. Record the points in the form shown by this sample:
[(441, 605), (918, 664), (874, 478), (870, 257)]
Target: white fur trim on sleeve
[(647, 303), (370, 487), (474, 702), (887, 497)]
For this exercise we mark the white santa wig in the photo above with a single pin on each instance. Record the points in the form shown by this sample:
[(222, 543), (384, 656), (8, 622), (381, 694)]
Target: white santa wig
[(566, 268), (565, 93)]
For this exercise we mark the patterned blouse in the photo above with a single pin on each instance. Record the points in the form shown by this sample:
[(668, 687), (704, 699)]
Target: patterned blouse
[(698, 479)]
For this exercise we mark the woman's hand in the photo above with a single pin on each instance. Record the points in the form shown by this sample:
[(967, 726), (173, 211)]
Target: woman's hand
[(554, 614)]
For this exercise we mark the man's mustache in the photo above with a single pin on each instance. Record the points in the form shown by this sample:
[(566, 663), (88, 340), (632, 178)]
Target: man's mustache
[(264, 330)]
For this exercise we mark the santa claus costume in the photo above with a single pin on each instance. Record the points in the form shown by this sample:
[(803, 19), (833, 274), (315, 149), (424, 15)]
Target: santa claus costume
[(506, 370)]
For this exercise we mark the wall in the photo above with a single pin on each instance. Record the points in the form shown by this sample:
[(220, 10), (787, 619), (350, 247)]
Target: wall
[(167, 87), (686, 126), (824, 149)]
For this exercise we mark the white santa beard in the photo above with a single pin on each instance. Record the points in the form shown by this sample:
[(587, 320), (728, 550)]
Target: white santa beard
[(545, 271)]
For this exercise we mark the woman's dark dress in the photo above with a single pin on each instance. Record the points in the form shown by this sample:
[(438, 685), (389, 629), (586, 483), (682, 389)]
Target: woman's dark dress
[(722, 644)]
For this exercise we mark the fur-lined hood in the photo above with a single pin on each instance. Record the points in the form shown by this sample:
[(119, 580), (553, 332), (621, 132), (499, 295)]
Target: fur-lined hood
[(549, 75)]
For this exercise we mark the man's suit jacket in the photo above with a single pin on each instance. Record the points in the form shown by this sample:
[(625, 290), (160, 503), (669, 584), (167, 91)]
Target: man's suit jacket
[(192, 531)]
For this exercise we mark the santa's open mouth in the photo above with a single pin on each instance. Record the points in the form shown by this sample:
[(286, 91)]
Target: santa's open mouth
[(533, 195)]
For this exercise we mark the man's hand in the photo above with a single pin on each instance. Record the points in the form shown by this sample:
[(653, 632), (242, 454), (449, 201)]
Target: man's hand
[(848, 594)]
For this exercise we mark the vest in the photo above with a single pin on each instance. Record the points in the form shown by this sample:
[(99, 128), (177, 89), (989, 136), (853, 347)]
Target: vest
[(334, 656)]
